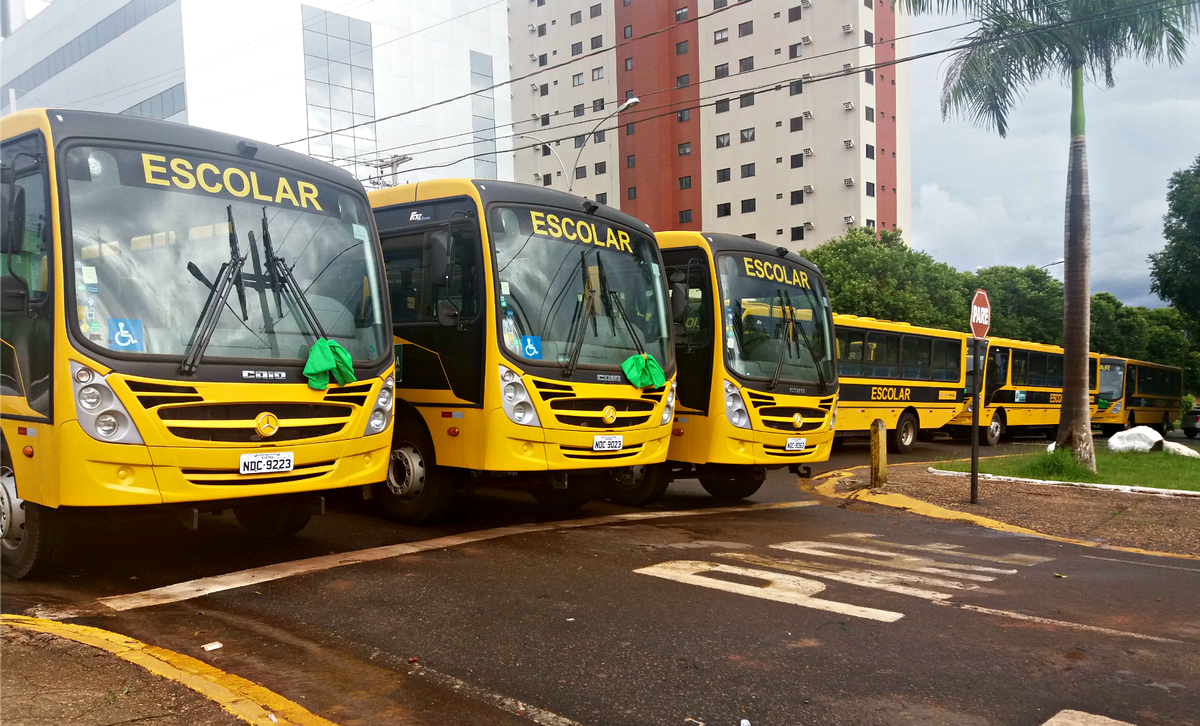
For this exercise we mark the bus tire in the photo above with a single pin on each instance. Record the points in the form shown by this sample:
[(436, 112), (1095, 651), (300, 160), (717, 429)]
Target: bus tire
[(637, 486), (562, 500), (417, 490), (837, 443), (903, 438), (274, 519), (735, 483), (990, 435), (30, 534)]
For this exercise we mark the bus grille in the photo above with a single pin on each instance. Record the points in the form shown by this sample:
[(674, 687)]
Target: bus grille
[(782, 418), (157, 394), (227, 477), (234, 423), (589, 412), (585, 453)]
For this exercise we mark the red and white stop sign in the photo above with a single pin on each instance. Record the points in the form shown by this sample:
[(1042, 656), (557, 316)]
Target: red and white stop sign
[(981, 315)]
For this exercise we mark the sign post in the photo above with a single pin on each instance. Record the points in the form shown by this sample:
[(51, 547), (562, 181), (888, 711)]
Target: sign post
[(981, 322)]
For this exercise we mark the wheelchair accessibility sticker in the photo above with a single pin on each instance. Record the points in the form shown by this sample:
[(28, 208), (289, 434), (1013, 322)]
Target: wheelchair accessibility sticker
[(531, 346), (125, 334)]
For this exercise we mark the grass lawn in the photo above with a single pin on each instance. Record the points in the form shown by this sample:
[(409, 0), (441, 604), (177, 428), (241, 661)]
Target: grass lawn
[(1156, 469)]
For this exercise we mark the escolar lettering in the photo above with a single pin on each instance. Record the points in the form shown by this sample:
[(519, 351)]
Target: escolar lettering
[(775, 272), (581, 230), (213, 179), (887, 393)]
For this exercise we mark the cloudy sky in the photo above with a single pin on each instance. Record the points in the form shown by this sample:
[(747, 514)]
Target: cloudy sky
[(980, 200)]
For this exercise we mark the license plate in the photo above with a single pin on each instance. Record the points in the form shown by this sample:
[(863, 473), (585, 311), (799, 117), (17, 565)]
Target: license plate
[(796, 444), (608, 443), (266, 463)]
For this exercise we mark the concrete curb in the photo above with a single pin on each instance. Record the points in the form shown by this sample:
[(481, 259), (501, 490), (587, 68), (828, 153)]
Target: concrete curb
[(1152, 491)]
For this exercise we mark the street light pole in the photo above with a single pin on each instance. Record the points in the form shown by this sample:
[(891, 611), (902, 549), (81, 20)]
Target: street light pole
[(628, 103), (552, 151), (1051, 264)]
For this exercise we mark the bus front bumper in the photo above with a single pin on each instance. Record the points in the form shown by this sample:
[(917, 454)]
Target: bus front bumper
[(769, 448), (529, 448)]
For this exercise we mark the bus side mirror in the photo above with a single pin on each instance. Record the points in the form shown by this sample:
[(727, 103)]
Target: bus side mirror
[(447, 314), (441, 258), (679, 301), (12, 212)]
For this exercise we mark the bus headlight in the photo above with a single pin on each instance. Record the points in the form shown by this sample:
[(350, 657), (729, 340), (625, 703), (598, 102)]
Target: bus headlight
[(735, 407), (385, 398), (382, 415), (100, 413), (669, 409), (515, 399), (1116, 407), (833, 418), (377, 422)]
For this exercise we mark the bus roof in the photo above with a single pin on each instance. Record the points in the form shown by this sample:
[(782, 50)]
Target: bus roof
[(68, 123), (1137, 362), (492, 191), (718, 242)]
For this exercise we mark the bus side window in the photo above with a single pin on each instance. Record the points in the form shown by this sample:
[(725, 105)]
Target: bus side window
[(1054, 370), (997, 369), (947, 358), (915, 357), (1092, 375), (1020, 368), (1037, 369), (884, 360), (404, 264), (850, 352)]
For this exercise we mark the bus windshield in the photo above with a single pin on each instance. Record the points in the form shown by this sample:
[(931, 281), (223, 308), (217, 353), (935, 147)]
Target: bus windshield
[(151, 234), (776, 320), (1112, 379), (572, 281)]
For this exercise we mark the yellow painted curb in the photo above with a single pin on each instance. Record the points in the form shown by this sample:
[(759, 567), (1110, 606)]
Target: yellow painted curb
[(247, 700), (828, 484)]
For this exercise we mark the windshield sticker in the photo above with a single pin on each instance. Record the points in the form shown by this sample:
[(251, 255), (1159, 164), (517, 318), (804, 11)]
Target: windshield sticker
[(773, 271), (531, 346), (89, 275), (504, 288), (124, 334), (89, 302), (93, 288), (578, 230), (360, 232)]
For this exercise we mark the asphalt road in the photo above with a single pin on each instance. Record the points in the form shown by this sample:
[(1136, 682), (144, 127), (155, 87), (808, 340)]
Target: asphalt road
[(789, 611)]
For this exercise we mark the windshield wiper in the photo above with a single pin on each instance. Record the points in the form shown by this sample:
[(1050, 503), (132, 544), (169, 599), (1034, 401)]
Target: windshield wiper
[(812, 352), (589, 304), (785, 345), (281, 277), (616, 302), (229, 275)]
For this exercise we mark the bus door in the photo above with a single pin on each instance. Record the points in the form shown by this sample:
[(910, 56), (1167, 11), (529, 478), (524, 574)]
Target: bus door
[(996, 375), (445, 354), (694, 336)]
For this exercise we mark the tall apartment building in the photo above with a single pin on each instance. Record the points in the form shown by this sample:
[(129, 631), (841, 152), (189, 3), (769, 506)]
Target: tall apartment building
[(764, 118)]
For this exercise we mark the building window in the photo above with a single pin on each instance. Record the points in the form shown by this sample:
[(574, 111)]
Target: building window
[(685, 216), (632, 194), (597, 73), (870, 189), (797, 161), (681, 15), (749, 205), (722, 105), (602, 198), (629, 64), (869, 75), (868, 38), (594, 11), (793, 14), (684, 80), (747, 135), (681, 47), (546, 179), (871, 224), (598, 105), (541, 30), (544, 89), (629, 94), (746, 64), (545, 119), (578, 110), (577, 79), (746, 28), (543, 60), (797, 196), (721, 36), (631, 161), (577, 48), (797, 234), (722, 141), (581, 172), (746, 99), (721, 71), (577, 17), (718, 4), (601, 168), (724, 210), (580, 141), (629, 34), (597, 42), (685, 182), (747, 171), (684, 115), (598, 137), (685, 148), (870, 114), (867, 3), (795, 88), (541, 3), (629, 129), (722, 175), (795, 50), (796, 123), (546, 150), (870, 151)]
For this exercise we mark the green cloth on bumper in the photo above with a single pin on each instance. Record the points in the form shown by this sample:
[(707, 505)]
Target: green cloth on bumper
[(327, 357), (644, 371)]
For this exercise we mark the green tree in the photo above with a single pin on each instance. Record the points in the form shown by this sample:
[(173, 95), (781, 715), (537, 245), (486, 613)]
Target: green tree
[(1175, 272), (882, 277), (1020, 42), (1118, 329), (1026, 302)]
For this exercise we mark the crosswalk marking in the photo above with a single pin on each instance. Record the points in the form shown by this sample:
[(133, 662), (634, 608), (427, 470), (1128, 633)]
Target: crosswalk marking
[(899, 583), (948, 549), (884, 558)]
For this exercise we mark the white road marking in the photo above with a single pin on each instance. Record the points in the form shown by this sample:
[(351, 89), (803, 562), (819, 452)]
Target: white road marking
[(1142, 564), (1057, 623), (1079, 718), (504, 703), (897, 582), (892, 559), (780, 588), (218, 583), (951, 549)]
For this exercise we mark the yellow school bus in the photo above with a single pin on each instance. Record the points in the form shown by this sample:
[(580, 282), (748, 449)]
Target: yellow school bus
[(1022, 389), (757, 385), (514, 308), (1137, 393), (163, 287), (910, 377)]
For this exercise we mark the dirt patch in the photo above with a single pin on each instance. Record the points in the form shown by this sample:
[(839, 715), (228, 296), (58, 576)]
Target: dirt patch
[(1167, 524)]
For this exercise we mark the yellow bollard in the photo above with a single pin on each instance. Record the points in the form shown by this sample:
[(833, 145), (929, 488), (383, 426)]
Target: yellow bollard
[(878, 454)]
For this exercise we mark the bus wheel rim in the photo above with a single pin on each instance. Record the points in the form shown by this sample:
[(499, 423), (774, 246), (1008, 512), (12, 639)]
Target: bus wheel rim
[(994, 428), (906, 434), (406, 474), (12, 511), (632, 476)]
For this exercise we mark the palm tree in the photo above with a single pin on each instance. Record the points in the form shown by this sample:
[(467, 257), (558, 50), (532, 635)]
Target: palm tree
[(1017, 44)]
